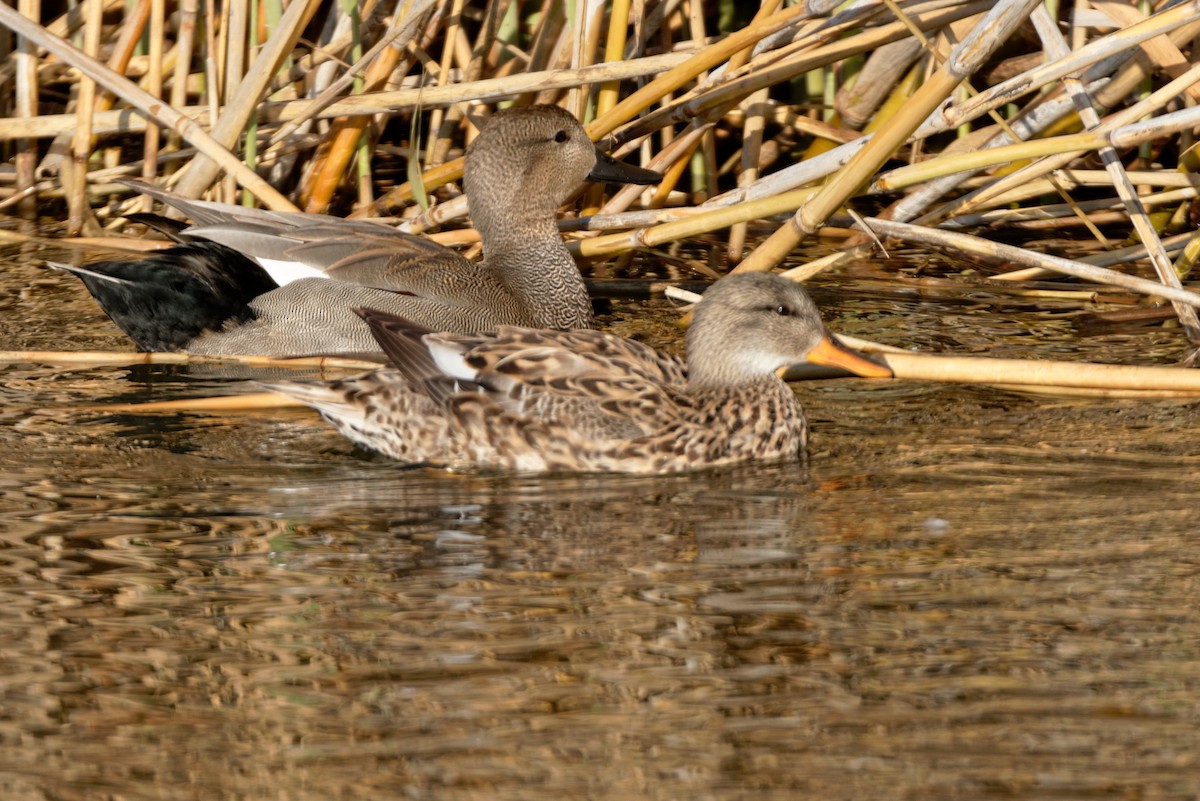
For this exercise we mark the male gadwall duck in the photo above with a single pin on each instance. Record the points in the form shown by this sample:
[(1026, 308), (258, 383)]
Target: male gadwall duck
[(208, 297), (535, 400)]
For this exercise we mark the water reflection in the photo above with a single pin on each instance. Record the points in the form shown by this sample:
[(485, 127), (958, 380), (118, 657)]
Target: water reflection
[(964, 593)]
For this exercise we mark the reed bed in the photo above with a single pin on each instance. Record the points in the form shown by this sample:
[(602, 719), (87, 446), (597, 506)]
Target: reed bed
[(969, 127)]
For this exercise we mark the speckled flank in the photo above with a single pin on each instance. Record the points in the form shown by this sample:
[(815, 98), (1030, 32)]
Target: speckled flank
[(590, 401)]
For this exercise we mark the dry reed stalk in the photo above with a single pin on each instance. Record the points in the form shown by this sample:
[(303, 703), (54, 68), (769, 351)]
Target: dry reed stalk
[(343, 141), (75, 182), (155, 89), (26, 107), (329, 165), (148, 105), (857, 104), (437, 114), (1047, 373), (487, 89), (183, 58), (87, 359), (1056, 46), (991, 31), (254, 401), (1055, 211), (964, 244), (1106, 135), (752, 137), (695, 224), (1116, 43), (198, 175), (813, 53), (830, 162), (976, 199), (608, 92)]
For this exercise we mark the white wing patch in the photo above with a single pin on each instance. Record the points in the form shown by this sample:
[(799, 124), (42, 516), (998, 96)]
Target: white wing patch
[(285, 272), (449, 359)]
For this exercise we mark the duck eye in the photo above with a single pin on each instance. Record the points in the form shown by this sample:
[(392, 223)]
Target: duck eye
[(783, 310), (561, 137)]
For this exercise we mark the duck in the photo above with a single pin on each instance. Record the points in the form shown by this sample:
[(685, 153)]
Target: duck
[(539, 400), (214, 292)]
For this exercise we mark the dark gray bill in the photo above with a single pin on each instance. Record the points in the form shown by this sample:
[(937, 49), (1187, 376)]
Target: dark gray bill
[(618, 172)]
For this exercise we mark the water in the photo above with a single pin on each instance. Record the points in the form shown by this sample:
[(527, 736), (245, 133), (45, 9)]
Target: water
[(965, 593)]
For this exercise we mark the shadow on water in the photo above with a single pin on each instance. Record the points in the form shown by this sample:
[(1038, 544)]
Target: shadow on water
[(964, 593)]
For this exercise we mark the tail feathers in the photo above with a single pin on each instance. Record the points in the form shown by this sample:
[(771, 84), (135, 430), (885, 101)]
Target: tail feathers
[(84, 271), (165, 301), (171, 229)]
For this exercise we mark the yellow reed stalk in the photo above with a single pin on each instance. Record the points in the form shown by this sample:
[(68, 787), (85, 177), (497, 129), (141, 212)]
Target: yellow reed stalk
[(739, 59), (676, 78), (487, 89), (148, 105), (87, 359), (875, 95), (26, 66), (81, 144), (966, 245), (155, 88), (752, 137), (696, 224), (983, 39), (308, 108), (681, 150), (1004, 92), (606, 97), (437, 115), (1189, 162), (896, 100), (1056, 47), (806, 58), (1162, 52), (341, 144), (201, 172), (853, 175), (237, 33), (1030, 372), (1040, 376), (226, 403), (184, 46), (673, 79)]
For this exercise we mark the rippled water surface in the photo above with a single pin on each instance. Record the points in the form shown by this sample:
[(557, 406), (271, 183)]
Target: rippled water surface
[(965, 593)]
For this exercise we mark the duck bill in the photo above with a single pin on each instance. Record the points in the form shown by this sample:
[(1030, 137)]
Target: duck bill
[(831, 353), (611, 171)]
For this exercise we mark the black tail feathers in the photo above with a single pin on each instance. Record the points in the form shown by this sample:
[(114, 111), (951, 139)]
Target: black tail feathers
[(165, 301)]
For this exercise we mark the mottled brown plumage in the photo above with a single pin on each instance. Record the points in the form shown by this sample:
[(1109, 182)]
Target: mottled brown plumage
[(523, 165), (535, 400)]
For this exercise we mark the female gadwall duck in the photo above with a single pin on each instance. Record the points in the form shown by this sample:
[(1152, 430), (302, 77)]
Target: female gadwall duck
[(208, 297), (534, 400)]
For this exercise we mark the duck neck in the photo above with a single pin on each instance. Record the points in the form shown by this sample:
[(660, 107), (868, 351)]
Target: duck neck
[(703, 380), (531, 260)]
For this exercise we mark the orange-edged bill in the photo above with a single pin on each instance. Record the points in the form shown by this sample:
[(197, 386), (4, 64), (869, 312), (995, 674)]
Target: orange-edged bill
[(831, 353)]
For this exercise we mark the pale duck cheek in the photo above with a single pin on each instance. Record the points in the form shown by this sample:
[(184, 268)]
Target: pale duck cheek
[(764, 362), (284, 272)]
